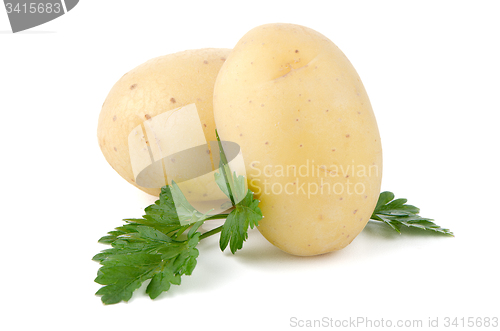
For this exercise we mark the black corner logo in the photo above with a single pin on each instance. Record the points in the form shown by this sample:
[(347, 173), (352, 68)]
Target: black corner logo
[(24, 15)]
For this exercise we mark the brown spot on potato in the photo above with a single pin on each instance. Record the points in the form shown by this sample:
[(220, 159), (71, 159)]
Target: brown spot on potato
[(204, 125), (300, 145), (326, 110), (147, 116), (320, 217), (347, 135), (133, 86), (114, 118), (297, 119), (205, 62), (262, 105), (223, 59), (355, 211), (296, 51), (267, 142), (115, 149), (241, 134), (341, 198), (172, 100), (208, 151), (333, 150)]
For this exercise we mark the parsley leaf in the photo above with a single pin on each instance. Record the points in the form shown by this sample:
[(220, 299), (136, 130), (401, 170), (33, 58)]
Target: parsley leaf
[(395, 213), (147, 248), (231, 184), (186, 212), (235, 229), (123, 273), (237, 186)]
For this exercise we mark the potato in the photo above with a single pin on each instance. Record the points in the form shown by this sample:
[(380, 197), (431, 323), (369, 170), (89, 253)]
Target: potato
[(156, 86), (306, 128)]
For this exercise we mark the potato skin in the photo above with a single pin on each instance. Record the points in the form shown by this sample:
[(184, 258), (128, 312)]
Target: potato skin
[(291, 98), (156, 86)]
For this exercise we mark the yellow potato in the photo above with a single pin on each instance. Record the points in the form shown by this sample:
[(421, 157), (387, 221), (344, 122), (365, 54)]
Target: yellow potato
[(308, 135), (156, 86)]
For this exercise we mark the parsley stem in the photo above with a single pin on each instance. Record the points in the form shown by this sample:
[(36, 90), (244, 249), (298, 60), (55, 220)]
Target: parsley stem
[(211, 232), (217, 217), (217, 229)]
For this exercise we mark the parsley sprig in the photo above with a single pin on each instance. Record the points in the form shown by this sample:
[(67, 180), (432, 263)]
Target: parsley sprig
[(156, 247), (396, 213)]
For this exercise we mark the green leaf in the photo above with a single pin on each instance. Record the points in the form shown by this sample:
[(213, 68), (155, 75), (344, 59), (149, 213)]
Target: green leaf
[(396, 213), (163, 211), (384, 198), (234, 182), (221, 182), (186, 212), (173, 266), (149, 233), (161, 282), (224, 177), (229, 182), (123, 271), (235, 229), (239, 189), (146, 248), (123, 274)]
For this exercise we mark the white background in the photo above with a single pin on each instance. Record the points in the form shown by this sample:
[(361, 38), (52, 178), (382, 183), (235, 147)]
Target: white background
[(431, 69)]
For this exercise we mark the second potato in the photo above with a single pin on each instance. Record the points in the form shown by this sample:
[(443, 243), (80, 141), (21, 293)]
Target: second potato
[(296, 106)]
